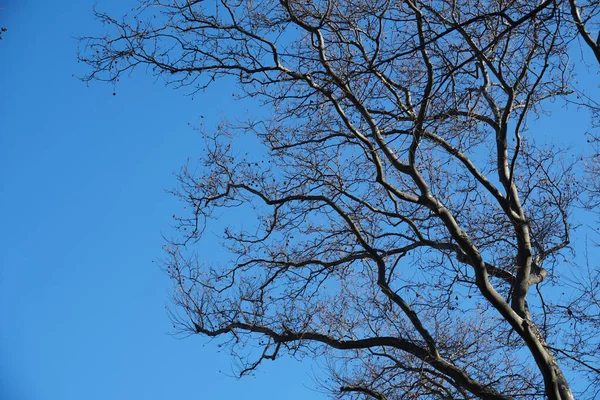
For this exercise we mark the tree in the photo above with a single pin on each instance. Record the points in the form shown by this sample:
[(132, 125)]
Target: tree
[(410, 229)]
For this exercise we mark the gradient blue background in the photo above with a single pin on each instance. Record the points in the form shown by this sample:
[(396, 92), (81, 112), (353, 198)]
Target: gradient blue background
[(83, 205)]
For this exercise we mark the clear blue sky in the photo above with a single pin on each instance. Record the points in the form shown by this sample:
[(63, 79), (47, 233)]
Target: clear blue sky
[(83, 206)]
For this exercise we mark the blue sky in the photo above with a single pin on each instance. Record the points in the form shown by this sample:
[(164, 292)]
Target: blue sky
[(83, 208)]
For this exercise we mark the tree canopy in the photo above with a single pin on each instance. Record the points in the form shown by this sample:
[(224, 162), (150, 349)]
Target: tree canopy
[(411, 231)]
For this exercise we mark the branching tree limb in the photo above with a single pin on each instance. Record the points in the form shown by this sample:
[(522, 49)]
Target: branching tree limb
[(402, 209)]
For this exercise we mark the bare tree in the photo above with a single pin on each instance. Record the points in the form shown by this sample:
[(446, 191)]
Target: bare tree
[(585, 18), (410, 230)]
